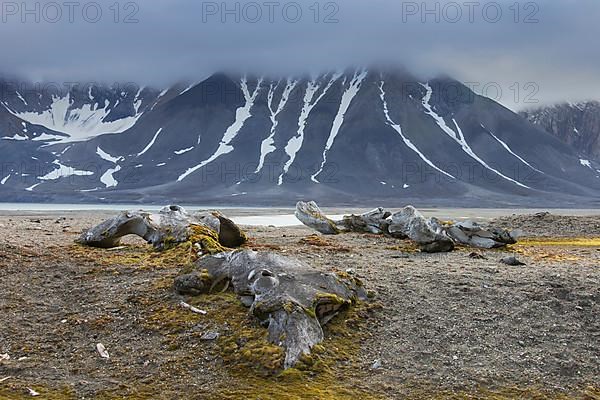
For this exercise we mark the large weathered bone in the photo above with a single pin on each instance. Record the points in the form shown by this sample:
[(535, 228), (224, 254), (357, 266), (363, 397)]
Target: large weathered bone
[(472, 234), (289, 296), (430, 238), (311, 215), (374, 221), (171, 225), (429, 234)]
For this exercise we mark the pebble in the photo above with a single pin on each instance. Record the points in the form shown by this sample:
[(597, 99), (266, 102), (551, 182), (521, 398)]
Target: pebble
[(210, 336), (376, 364), (400, 256), (477, 256), (512, 260)]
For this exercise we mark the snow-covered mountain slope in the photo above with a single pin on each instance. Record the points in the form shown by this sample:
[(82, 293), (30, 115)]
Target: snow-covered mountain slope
[(343, 137), (575, 124), (80, 112)]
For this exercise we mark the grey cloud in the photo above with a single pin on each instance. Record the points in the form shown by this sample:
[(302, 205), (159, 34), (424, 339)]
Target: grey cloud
[(171, 42)]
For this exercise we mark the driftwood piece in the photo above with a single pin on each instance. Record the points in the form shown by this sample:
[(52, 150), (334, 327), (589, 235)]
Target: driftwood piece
[(290, 297), (211, 231), (430, 234)]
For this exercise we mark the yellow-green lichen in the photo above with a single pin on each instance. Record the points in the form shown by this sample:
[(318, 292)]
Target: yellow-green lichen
[(207, 238), (547, 241)]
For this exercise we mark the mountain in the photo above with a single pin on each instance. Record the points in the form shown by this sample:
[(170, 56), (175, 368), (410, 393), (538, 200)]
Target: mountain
[(350, 137), (575, 124)]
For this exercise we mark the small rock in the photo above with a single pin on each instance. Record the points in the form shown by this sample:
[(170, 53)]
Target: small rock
[(512, 260), (376, 364), (400, 256), (35, 221), (210, 336), (477, 256), (351, 271), (4, 357), (102, 351)]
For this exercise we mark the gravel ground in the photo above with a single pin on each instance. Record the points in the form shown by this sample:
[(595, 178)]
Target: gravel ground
[(449, 323)]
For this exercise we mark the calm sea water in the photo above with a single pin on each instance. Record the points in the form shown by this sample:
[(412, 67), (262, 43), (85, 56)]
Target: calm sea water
[(240, 215), (279, 217)]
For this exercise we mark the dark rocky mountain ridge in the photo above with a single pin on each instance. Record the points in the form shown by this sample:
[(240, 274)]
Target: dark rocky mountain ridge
[(575, 124), (351, 137)]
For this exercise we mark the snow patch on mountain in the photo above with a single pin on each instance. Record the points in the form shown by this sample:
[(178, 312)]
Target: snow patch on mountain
[(295, 143), (44, 137), (158, 98), (151, 143), (347, 98), (21, 98), (407, 141), (458, 135), (16, 137), (267, 145), (78, 123), (107, 157), (63, 171), (511, 152), (183, 151), (241, 115), (108, 179)]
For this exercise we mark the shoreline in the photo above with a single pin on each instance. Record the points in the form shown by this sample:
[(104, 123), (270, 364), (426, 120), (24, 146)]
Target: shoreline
[(441, 212)]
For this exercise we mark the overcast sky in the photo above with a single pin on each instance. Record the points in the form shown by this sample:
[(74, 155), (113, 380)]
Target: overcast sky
[(548, 49)]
